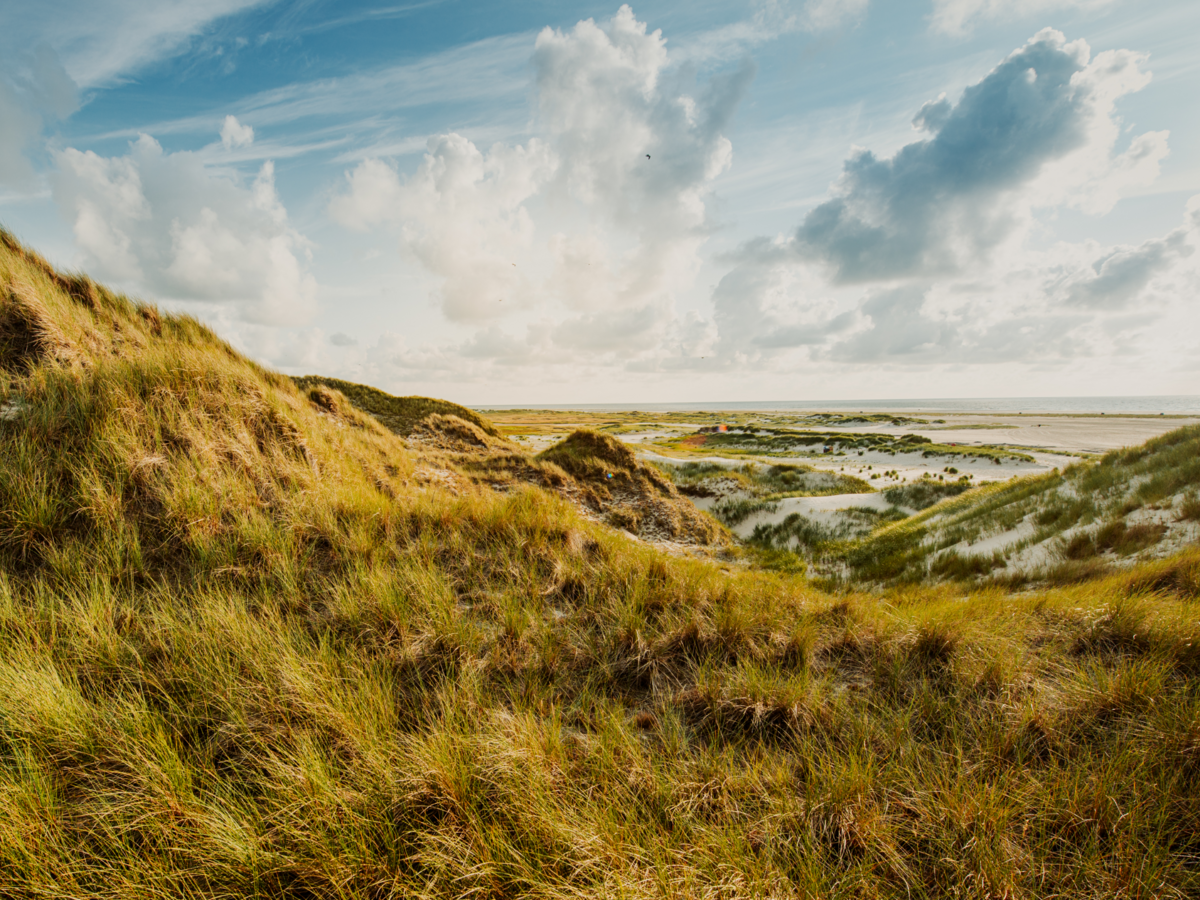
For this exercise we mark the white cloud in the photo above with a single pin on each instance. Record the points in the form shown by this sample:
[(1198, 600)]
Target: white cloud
[(599, 217), (18, 127), (165, 224), (1038, 131), (770, 20), (923, 258), (106, 40), (960, 16), (235, 134), (1120, 275), (36, 87), (52, 87), (824, 15), (492, 72), (608, 100), (461, 215)]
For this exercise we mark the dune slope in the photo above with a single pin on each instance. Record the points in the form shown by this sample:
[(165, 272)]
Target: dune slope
[(255, 644)]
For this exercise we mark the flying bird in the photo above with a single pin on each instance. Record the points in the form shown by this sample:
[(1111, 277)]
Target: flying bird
[(647, 156)]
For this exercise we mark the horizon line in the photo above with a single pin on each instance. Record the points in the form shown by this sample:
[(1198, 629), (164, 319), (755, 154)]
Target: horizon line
[(1177, 404)]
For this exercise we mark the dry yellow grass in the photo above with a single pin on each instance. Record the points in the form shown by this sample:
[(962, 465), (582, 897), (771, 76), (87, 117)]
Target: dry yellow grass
[(253, 644)]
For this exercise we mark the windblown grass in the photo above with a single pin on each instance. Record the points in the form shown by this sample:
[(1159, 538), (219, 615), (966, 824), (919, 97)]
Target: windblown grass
[(761, 482), (254, 645), (1083, 515), (398, 414), (785, 441), (924, 493)]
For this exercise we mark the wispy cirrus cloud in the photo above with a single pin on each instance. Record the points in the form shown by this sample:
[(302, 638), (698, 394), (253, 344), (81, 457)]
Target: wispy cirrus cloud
[(366, 113), (958, 17), (104, 41), (768, 21)]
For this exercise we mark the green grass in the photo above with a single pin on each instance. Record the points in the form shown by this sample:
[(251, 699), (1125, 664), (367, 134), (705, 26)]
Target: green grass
[(1082, 513), (923, 494), (734, 512), (253, 644), (398, 414), (799, 531), (831, 420), (761, 482), (784, 441)]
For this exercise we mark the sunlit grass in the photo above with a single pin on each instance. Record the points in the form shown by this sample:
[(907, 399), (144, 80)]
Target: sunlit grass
[(252, 644)]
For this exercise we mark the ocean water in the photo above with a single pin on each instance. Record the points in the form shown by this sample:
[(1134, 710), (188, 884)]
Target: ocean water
[(1176, 404)]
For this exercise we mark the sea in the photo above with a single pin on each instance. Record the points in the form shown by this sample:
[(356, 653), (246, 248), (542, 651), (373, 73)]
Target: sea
[(1171, 404)]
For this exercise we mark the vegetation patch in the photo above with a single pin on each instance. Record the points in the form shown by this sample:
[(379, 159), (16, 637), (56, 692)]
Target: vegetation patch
[(735, 512), (1079, 516), (635, 496), (924, 493), (401, 415), (832, 420), (782, 441), (761, 482), (1116, 537)]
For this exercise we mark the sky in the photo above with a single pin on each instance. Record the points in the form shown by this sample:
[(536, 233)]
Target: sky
[(556, 203)]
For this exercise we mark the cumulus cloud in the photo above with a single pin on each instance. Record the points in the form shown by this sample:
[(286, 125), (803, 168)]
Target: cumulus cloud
[(575, 246), (235, 134), (598, 218), (624, 332), (166, 224), (942, 205), (1065, 303), (1118, 276), (461, 215), (767, 304), (960, 16), (926, 324), (924, 257), (638, 143), (640, 146)]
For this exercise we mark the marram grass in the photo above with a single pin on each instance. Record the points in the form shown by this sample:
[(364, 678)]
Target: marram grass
[(252, 644)]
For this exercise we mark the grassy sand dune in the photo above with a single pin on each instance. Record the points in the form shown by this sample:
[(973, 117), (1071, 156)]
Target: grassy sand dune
[(399, 414), (255, 644), (1131, 504), (592, 470)]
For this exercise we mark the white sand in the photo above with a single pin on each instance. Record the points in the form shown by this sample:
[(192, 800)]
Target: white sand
[(1037, 436), (1074, 434)]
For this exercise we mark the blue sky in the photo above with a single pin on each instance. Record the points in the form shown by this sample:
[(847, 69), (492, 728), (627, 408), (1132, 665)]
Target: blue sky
[(556, 203)]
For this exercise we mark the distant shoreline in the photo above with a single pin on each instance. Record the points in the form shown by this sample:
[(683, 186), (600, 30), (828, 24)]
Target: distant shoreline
[(1170, 404)]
